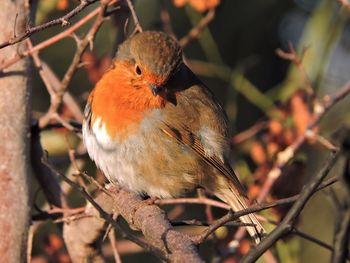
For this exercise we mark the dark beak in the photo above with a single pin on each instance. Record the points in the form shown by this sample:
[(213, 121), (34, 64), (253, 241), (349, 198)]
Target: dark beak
[(155, 89)]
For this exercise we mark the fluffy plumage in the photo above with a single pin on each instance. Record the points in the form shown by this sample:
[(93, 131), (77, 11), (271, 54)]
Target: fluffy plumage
[(162, 144), (155, 50)]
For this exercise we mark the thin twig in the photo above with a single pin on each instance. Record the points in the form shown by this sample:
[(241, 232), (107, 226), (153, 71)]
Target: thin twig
[(30, 243), (287, 224), (320, 109), (50, 41), (78, 172), (345, 4), (57, 213), (198, 200), (249, 133), (66, 124), (138, 27), (68, 100), (342, 222), (231, 216), (254, 208), (311, 134), (286, 155), (166, 21), (197, 30), (64, 20), (56, 100), (312, 239), (213, 227), (113, 240), (38, 65), (194, 222), (298, 62)]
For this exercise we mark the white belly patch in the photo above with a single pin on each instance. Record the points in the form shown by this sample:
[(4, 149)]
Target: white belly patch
[(118, 160)]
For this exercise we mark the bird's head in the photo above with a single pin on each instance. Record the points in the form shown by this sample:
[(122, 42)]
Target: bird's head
[(151, 59), (137, 79)]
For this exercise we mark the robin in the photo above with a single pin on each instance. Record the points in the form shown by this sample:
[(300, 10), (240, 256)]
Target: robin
[(154, 128)]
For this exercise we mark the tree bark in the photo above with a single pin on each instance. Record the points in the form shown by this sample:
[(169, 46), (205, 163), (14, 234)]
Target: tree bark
[(14, 137), (83, 237)]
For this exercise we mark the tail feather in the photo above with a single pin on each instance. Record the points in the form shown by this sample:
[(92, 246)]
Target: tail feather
[(239, 202)]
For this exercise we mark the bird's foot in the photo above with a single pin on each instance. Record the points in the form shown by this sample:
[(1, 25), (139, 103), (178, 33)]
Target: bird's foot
[(150, 200), (145, 202)]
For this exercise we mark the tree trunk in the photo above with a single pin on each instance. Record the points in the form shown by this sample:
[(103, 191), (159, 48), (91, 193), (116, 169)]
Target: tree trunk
[(14, 137)]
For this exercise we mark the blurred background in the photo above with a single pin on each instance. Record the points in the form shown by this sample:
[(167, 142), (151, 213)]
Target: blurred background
[(235, 56)]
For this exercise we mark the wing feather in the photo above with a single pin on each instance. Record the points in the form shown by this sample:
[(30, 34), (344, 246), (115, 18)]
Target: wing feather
[(183, 135)]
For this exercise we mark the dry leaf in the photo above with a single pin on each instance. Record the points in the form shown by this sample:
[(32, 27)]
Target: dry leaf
[(244, 247), (62, 4), (272, 148), (179, 3), (253, 191), (212, 3), (198, 5), (275, 127), (288, 136), (257, 153), (300, 113), (63, 258), (53, 243), (288, 184)]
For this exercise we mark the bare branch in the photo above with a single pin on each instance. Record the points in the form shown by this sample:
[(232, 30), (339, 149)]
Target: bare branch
[(64, 20), (166, 21), (197, 30), (113, 240), (313, 240), (213, 227), (284, 156), (56, 100), (138, 27), (20, 55), (342, 223), (287, 224), (297, 60), (162, 239), (249, 133), (345, 4), (198, 200)]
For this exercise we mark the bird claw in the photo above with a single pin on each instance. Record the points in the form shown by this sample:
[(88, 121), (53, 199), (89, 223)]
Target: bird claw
[(151, 200), (146, 202)]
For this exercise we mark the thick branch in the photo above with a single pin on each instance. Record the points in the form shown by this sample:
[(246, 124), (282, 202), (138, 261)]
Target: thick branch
[(161, 237), (83, 237), (152, 221), (14, 140)]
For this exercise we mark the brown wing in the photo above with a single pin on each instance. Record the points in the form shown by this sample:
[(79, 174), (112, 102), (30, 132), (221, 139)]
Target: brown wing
[(184, 136), (191, 108)]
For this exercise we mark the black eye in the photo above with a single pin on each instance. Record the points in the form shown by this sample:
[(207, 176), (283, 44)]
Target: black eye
[(138, 70)]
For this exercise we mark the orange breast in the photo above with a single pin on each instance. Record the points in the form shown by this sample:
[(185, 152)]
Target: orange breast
[(121, 101)]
